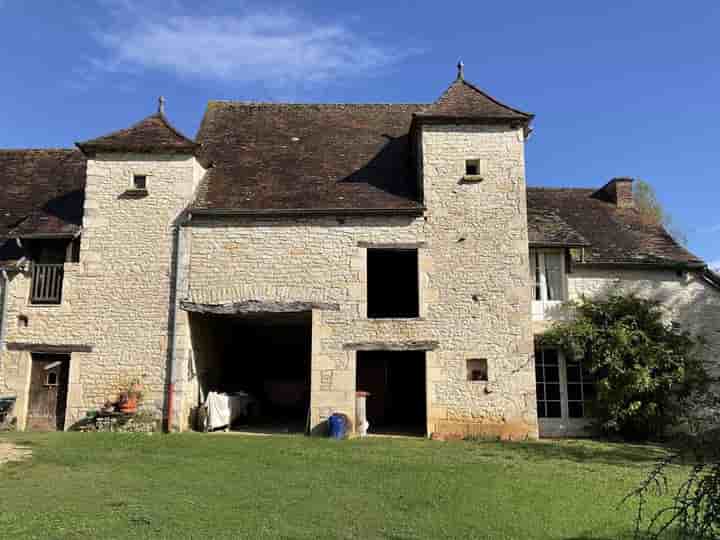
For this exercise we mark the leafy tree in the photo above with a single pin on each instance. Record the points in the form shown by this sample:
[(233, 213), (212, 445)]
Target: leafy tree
[(647, 203), (647, 370)]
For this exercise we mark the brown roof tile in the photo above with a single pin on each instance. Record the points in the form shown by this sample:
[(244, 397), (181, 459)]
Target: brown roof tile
[(151, 134), (616, 236), (547, 228), (279, 157), (42, 193), (465, 100)]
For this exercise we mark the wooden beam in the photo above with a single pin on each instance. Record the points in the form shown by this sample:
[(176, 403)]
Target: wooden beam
[(48, 348), (392, 346), (256, 306)]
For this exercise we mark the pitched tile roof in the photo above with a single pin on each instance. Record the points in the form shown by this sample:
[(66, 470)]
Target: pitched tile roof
[(616, 235), (465, 100), (151, 134), (281, 157), (275, 158), (546, 228), (42, 193)]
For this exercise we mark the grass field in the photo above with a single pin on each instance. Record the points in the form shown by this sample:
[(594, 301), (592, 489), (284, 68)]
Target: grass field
[(228, 486)]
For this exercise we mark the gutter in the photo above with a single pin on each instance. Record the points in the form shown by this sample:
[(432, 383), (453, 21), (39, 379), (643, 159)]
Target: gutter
[(711, 277), (645, 266), (293, 212), (177, 254), (4, 295)]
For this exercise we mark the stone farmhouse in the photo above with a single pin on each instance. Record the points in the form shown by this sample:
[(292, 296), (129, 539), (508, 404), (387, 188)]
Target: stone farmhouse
[(302, 253)]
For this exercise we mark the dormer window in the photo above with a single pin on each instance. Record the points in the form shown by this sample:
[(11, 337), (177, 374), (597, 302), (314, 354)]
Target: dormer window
[(140, 182)]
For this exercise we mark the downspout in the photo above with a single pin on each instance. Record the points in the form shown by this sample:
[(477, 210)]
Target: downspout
[(178, 255), (4, 295)]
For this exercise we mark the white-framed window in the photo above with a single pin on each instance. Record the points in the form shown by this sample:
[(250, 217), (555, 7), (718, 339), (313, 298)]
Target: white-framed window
[(564, 387), (548, 281), (547, 273)]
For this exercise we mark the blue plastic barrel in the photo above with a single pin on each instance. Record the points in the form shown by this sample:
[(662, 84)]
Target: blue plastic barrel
[(338, 426)]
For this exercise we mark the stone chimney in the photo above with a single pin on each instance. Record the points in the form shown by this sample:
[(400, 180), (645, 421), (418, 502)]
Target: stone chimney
[(618, 191)]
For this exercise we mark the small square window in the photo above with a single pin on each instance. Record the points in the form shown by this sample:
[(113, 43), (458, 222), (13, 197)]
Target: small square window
[(472, 167), (51, 378), (140, 181), (477, 369)]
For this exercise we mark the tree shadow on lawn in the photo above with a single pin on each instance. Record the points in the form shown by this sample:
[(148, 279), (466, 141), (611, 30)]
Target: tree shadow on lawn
[(594, 451)]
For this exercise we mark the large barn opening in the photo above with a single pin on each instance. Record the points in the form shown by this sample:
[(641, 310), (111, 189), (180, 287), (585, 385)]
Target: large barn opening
[(261, 361), (396, 383)]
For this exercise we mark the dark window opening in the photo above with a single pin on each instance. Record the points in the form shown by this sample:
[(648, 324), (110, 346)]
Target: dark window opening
[(392, 283), (395, 381), (51, 379), (472, 167), (140, 181), (477, 369)]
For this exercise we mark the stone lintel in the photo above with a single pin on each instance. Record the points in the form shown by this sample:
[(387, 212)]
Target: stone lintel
[(392, 245), (392, 346), (47, 348), (257, 306)]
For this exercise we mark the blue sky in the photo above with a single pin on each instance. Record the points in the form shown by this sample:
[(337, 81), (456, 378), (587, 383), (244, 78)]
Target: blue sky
[(625, 88)]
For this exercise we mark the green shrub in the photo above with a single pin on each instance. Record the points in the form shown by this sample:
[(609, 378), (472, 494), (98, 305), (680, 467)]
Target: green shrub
[(646, 368)]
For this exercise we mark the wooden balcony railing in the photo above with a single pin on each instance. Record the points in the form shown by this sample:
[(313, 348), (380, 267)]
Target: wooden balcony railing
[(47, 283)]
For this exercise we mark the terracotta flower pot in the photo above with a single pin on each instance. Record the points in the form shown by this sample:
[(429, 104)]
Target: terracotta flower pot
[(129, 405)]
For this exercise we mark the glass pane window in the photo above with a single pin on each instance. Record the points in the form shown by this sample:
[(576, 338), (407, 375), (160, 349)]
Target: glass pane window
[(563, 388), (549, 395), (547, 275), (535, 275), (553, 276), (580, 389)]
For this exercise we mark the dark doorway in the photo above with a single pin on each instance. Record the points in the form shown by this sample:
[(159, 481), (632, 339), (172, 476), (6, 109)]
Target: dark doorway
[(48, 392), (396, 383), (263, 360)]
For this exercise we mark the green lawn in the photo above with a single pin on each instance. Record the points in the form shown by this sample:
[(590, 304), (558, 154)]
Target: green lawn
[(126, 486)]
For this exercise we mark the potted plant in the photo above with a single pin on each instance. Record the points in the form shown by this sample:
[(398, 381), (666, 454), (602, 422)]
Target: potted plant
[(129, 398)]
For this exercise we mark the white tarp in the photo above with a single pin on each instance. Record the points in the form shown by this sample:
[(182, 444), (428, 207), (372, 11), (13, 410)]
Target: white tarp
[(218, 410), (224, 409)]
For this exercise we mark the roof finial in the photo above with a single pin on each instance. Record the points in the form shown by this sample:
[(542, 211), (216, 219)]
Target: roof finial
[(461, 70), (161, 105)]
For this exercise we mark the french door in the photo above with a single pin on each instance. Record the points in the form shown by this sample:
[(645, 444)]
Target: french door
[(564, 388)]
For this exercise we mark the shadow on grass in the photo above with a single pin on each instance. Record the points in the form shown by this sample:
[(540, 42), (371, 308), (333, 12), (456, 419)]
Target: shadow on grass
[(586, 451)]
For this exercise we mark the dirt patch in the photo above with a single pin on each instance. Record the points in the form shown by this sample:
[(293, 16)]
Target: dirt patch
[(11, 452)]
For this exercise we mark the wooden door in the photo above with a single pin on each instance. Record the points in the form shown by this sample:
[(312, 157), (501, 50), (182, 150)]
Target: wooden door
[(48, 392)]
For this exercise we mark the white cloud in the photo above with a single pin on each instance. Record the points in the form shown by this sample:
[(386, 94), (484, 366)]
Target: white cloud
[(277, 48), (715, 265)]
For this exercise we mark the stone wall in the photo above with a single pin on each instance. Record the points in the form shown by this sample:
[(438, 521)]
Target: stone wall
[(687, 298), (116, 299), (473, 267)]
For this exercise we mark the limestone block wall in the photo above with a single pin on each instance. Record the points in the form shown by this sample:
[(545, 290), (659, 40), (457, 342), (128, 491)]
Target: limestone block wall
[(116, 299), (474, 276), (687, 298), (479, 279)]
